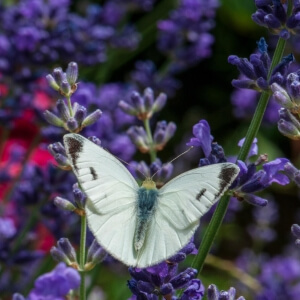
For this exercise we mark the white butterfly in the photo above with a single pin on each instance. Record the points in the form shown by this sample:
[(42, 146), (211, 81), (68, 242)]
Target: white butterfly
[(142, 226)]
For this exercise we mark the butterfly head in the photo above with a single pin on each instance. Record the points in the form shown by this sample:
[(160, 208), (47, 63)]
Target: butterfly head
[(149, 184)]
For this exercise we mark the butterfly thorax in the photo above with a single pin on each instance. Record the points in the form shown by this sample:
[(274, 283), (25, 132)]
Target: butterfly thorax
[(149, 184), (146, 206)]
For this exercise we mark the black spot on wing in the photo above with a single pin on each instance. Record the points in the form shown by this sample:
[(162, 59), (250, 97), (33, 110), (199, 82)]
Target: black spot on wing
[(226, 176), (94, 174), (75, 147), (200, 194)]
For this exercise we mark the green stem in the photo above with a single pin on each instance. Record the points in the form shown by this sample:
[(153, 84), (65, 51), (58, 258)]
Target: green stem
[(217, 218), (70, 106), (82, 257), (152, 152)]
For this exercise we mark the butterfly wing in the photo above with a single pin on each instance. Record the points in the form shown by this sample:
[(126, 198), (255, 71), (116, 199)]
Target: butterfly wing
[(181, 203), (111, 192)]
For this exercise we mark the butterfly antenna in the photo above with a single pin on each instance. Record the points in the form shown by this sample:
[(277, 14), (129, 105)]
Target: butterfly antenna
[(186, 151)]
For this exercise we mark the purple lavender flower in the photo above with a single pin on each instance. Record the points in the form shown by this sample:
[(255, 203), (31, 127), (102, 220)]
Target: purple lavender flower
[(164, 279), (143, 107), (185, 35), (257, 68), (273, 15), (202, 138), (55, 284), (214, 294)]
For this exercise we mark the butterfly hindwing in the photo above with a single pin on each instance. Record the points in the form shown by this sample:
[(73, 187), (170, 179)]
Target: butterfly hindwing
[(181, 204)]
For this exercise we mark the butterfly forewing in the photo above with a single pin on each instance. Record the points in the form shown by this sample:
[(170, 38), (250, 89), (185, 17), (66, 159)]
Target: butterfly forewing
[(111, 192)]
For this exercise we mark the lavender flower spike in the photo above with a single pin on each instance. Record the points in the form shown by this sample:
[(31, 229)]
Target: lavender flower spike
[(144, 106), (273, 15), (257, 68)]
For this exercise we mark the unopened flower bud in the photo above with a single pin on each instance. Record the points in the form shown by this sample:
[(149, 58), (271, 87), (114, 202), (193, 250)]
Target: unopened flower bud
[(65, 245), (72, 73), (160, 102), (72, 124), (92, 118), (63, 109), (58, 75), (64, 204), (53, 119), (65, 88), (52, 83)]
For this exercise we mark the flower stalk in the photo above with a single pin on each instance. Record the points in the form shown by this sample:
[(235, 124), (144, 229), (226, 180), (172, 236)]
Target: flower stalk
[(218, 216)]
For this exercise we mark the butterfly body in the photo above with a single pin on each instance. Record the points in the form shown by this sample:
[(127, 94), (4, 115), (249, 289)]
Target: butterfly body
[(142, 226), (146, 205)]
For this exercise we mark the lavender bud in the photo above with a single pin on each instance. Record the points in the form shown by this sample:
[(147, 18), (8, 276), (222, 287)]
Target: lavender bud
[(92, 118), (255, 200), (62, 160), (177, 258), (127, 108), (63, 109), (92, 249), (53, 119), (95, 140), (58, 75), (139, 138), (52, 83), (79, 197), (212, 292), (281, 96), (149, 98), (224, 295), (138, 102), (64, 204), (59, 255), (72, 124), (72, 73), (181, 279), (65, 88), (66, 247), (163, 133), (159, 102), (271, 21), (80, 114), (288, 129), (58, 148), (96, 254), (166, 289)]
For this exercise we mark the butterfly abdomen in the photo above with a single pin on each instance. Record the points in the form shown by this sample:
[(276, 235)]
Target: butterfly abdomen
[(146, 205)]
